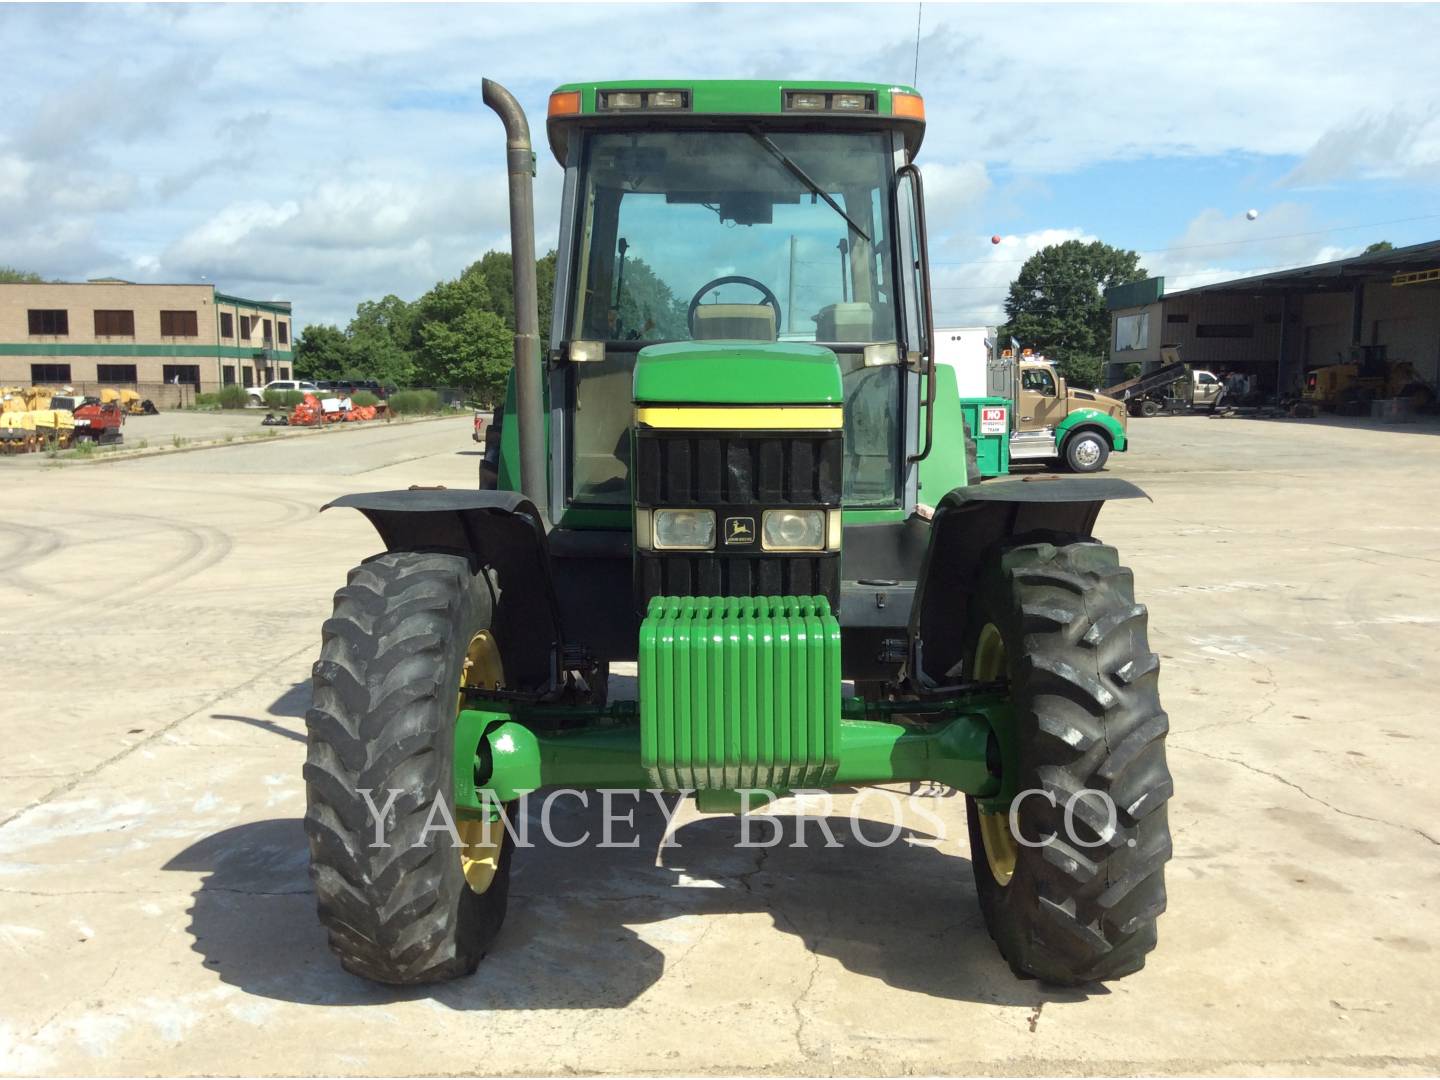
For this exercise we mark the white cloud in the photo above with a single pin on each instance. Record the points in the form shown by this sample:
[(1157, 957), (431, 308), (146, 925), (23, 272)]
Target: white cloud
[(344, 153), (972, 275), (1216, 246), (1395, 144)]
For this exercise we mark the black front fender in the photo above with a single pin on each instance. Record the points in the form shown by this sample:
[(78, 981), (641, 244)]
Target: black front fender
[(500, 531), (969, 521)]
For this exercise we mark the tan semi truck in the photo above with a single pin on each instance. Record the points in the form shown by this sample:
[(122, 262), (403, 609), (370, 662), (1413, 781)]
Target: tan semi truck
[(1051, 421)]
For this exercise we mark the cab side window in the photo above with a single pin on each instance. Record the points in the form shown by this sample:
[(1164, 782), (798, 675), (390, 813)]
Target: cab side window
[(1038, 381)]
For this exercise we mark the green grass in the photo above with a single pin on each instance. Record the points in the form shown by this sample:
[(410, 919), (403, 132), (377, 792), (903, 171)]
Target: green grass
[(414, 402), (178, 441), (283, 399), (364, 397)]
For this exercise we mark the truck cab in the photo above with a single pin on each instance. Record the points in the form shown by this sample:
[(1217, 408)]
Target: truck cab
[(1053, 422)]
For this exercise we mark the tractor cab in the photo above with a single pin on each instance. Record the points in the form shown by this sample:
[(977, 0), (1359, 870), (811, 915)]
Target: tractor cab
[(735, 244)]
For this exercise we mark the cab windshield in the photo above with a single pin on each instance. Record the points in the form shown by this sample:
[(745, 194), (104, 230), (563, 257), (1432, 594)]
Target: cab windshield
[(668, 214), (737, 236)]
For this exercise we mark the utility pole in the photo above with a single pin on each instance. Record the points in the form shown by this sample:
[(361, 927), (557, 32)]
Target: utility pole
[(790, 304)]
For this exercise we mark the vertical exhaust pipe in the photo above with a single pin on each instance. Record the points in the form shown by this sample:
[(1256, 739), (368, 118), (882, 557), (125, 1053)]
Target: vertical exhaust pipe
[(529, 394)]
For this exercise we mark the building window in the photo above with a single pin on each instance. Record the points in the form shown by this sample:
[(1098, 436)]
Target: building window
[(115, 372), (1181, 317), (48, 322), (283, 372), (1132, 332), (1232, 330), (114, 324), (244, 327), (269, 332), (227, 375), (179, 324), (183, 373), (48, 373), (249, 373), (227, 324), (283, 330)]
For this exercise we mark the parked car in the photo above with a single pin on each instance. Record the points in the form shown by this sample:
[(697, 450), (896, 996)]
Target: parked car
[(257, 393), (347, 387)]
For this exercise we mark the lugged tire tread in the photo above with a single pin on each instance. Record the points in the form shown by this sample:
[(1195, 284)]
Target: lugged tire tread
[(1088, 714), (381, 719)]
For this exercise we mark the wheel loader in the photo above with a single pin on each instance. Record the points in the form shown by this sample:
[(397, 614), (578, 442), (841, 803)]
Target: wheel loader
[(734, 464)]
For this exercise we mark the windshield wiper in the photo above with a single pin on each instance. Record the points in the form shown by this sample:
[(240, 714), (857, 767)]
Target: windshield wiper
[(800, 174)]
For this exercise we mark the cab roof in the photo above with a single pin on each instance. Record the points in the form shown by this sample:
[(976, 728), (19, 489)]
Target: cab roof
[(705, 101)]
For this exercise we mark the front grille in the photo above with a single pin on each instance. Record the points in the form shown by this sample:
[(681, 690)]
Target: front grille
[(704, 573), (740, 473), (774, 469)]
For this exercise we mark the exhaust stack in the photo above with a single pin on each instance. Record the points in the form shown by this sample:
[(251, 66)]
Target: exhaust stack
[(529, 397)]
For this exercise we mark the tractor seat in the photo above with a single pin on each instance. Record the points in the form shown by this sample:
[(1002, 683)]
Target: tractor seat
[(734, 322)]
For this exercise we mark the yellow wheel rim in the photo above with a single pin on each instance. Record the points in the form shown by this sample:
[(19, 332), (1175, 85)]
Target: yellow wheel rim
[(481, 841), (1000, 847)]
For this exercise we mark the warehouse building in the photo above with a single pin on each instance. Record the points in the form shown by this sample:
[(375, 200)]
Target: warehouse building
[(108, 332), (1275, 327)]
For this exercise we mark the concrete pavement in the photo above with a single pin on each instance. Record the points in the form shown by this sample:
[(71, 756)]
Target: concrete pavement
[(161, 615)]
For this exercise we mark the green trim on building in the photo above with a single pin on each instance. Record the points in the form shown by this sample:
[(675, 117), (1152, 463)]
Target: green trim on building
[(228, 351), (1135, 293), (262, 305)]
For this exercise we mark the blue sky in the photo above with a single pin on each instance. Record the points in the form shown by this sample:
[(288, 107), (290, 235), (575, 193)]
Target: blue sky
[(331, 154)]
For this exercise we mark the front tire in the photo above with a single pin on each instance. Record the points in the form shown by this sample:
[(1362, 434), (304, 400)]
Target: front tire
[(386, 691), (1055, 617), (1086, 452)]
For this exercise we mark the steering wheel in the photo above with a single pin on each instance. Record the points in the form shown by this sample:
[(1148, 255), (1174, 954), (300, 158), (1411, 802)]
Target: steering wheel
[(766, 296)]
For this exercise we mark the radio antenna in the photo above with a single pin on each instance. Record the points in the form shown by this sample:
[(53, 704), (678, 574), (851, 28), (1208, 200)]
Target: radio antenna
[(915, 75)]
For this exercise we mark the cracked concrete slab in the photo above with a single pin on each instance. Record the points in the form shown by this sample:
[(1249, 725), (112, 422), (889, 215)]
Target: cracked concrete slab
[(156, 914)]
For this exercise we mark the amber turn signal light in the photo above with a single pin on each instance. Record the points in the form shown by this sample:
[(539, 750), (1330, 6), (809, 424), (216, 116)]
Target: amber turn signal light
[(565, 103), (911, 105)]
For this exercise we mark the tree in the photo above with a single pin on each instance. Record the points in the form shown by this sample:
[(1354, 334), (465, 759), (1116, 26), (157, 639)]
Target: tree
[(474, 352), (1378, 246), (321, 352), (380, 340), (648, 309), (9, 275), (1056, 304), (459, 333)]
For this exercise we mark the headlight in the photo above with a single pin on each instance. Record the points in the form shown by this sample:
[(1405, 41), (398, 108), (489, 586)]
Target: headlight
[(793, 530), (684, 530)]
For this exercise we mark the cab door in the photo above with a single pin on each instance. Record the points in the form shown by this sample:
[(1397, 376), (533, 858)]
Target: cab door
[(1038, 408), (1207, 389)]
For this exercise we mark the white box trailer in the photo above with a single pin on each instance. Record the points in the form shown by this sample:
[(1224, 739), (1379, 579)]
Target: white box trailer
[(967, 350)]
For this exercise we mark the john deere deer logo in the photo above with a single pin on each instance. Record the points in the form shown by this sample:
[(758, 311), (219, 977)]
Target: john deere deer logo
[(740, 530)]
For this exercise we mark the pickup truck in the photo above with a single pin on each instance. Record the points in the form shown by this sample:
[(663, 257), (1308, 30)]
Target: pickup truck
[(1172, 387), (257, 393)]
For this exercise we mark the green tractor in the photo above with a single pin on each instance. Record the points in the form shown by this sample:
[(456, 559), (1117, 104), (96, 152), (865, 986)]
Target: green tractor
[(738, 466)]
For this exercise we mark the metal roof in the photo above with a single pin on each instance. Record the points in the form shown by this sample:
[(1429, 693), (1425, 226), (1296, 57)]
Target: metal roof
[(1342, 274)]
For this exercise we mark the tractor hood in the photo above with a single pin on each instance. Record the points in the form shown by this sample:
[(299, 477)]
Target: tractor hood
[(738, 373)]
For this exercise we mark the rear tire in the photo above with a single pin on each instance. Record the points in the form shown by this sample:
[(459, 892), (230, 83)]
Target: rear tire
[(1149, 408), (385, 698), (1083, 684), (1086, 452)]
